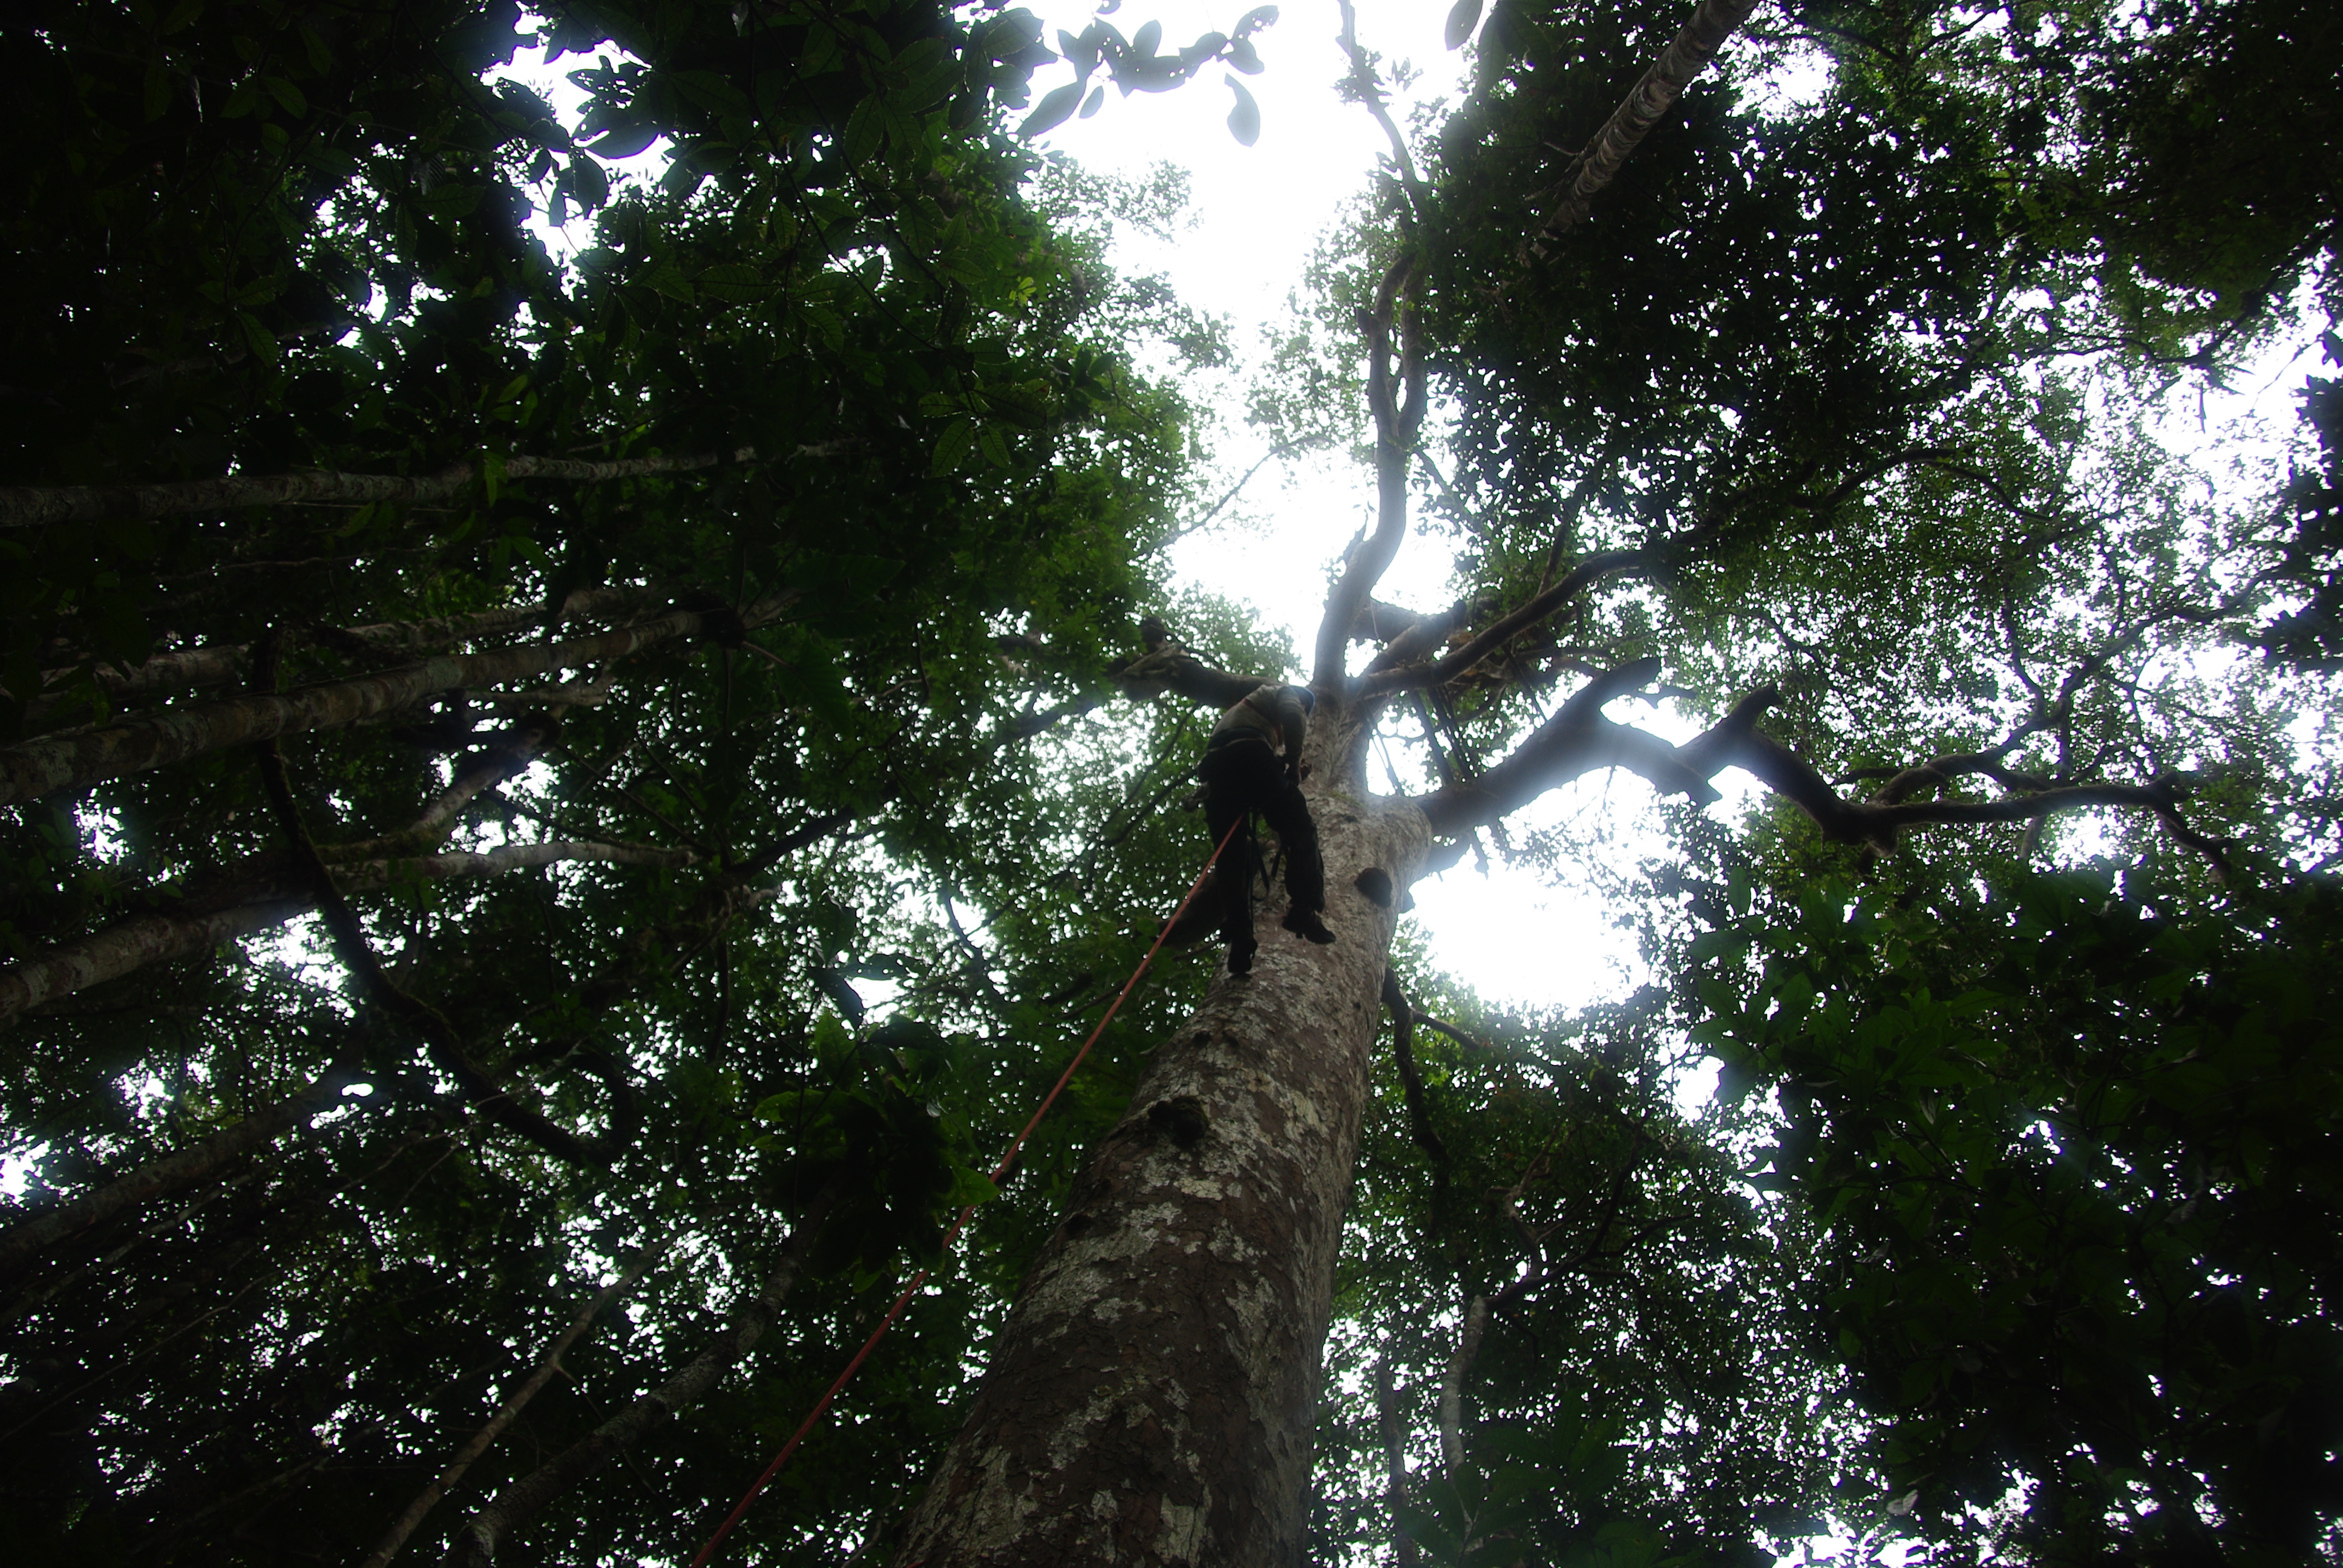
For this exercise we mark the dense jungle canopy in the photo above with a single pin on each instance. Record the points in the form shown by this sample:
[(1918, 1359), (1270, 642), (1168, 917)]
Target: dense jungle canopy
[(556, 814)]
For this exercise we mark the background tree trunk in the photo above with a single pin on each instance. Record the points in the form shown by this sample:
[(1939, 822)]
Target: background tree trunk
[(1152, 1394)]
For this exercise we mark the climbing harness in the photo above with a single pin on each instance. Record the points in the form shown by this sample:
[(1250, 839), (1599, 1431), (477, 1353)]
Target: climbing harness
[(951, 1235)]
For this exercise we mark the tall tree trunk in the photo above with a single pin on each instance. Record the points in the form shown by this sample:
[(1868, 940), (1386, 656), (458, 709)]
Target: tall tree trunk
[(1152, 1397)]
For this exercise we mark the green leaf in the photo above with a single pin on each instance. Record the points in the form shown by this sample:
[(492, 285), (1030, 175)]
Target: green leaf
[(453, 201), (952, 446), (969, 1187), (588, 183), (1463, 18), (289, 96), (257, 337), (735, 283), (932, 72), (1091, 105), (1244, 120), (994, 447), (665, 277), (624, 139), (1056, 107), (866, 129)]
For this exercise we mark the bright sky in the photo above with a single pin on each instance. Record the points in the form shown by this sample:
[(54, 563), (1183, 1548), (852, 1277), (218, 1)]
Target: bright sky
[(1257, 214)]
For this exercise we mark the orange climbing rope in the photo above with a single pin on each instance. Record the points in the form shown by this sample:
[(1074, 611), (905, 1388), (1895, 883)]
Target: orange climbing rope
[(951, 1235)]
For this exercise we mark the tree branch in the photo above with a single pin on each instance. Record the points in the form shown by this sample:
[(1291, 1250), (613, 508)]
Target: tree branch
[(1576, 741), (1395, 429), (1593, 570), (32, 506), (27, 1238), (439, 1036), (1419, 1107), (1298, 442), (475, 1542), (36, 767), (1736, 742), (1650, 98), (1395, 1462), (395, 1537), (132, 945), (1368, 89), (1451, 1386)]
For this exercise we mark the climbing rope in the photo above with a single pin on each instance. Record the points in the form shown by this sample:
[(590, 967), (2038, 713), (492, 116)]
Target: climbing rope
[(951, 1235)]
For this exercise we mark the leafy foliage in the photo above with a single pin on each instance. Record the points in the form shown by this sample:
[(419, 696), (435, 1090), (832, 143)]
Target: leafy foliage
[(2073, 1145)]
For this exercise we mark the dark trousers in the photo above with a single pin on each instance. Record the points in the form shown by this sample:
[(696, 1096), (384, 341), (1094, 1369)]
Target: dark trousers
[(1240, 777)]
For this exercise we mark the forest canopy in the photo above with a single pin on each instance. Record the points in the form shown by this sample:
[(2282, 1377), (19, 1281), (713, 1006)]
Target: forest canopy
[(559, 808)]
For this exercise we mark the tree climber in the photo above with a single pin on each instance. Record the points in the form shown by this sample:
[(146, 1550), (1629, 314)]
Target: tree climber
[(1244, 773)]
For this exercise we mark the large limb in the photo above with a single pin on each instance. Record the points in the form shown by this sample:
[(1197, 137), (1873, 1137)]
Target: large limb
[(1877, 822), (133, 944), (187, 668), (36, 767), (1407, 636), (1397, 420), (1390, 673), (30, 506), (1642, 107), (505, 756), (27, 1238), (1576, 741), (439, 1036), (1165, 666)]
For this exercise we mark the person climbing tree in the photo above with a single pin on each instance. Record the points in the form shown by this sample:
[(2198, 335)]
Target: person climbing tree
[(1252, 763)]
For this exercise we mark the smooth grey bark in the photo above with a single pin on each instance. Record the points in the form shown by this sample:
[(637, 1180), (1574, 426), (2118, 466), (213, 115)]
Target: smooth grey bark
[(506, 756), (1691, 49), (36, 768), (1152, 1396), (187, 667), (1451, 1387), (120, 950)]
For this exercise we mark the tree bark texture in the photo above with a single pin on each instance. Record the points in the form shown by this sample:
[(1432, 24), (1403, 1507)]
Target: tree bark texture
[(1711, 23), (36, 767), (1152, 1396), (120, 950)]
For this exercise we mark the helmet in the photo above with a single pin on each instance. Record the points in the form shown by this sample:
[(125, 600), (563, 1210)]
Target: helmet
[(1306, 696)]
